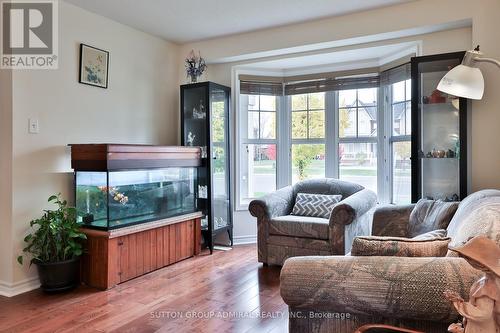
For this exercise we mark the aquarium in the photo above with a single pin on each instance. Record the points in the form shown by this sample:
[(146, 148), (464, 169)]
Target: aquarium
[(116, 199)]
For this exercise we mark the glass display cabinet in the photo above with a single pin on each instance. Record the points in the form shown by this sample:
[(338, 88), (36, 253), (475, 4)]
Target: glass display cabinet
[(439, 126), (205, 120)]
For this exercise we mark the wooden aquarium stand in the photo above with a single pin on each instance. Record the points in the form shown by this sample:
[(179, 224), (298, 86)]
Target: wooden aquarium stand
[(118, 255)]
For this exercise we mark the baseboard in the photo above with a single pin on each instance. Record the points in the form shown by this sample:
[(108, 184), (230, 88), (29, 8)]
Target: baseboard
[(12, 289), (247, 239)]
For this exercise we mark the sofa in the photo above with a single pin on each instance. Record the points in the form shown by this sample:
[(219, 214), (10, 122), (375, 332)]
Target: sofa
[(282, 235), (341, 293)]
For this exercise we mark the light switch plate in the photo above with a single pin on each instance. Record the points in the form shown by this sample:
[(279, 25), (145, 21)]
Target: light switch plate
[(34, 127)]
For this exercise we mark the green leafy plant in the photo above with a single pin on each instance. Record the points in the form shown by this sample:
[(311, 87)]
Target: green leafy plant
[(56, 236)]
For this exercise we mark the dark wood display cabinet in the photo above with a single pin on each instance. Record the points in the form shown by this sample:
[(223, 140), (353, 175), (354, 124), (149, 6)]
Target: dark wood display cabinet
[(205, 119)]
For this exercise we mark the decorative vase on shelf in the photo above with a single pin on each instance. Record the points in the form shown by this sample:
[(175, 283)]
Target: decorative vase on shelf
[(195, 66)]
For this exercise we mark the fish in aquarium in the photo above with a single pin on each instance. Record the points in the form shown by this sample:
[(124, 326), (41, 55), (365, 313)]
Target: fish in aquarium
[(113, 191)]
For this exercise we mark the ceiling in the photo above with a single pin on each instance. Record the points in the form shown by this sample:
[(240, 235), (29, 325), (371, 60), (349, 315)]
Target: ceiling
[(183, 21), (337, 60)]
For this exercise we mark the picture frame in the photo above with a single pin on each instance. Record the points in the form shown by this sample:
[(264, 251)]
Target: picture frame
[(94, 66)]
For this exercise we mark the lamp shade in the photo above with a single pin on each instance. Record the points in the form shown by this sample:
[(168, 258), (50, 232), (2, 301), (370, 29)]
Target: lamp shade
[(463, 81)]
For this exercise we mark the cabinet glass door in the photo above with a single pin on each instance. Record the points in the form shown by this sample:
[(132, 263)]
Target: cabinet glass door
[(219, 106), (195, 113), (438, 133)]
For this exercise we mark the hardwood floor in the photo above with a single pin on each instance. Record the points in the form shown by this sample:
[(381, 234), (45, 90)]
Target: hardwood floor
[(228, 291)]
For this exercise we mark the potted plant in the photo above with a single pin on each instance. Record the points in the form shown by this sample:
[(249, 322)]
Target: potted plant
[(54, 245)]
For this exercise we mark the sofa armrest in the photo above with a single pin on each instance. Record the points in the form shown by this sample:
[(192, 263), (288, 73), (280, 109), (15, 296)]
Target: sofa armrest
[(352, 207), (347, 210), (278, 203), (350, 218), (389, 287), (392, 220)]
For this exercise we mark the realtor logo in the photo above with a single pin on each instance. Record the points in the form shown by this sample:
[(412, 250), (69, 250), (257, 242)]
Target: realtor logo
[(29, 34)]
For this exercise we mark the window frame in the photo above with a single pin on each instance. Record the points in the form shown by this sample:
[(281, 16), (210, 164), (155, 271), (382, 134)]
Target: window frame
[(363, 138), (303, 141), (393, 138), (243, 204), (284, 141)]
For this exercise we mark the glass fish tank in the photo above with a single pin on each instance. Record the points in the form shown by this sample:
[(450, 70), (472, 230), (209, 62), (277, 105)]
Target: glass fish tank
[(152, 187)]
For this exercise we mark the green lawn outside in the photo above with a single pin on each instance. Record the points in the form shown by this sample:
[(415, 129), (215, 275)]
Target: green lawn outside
[(316, 168)]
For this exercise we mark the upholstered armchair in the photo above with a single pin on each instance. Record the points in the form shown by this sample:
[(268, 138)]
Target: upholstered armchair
[(342, 293), (282, 235)]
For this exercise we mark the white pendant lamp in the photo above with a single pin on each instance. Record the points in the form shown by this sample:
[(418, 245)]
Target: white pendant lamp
[(466, 80)]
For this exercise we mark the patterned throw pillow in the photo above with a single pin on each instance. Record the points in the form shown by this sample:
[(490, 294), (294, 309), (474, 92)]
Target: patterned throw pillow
[(399, 247), (318, 205)]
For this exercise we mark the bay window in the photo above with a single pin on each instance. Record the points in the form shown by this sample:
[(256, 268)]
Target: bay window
[(355, 128)]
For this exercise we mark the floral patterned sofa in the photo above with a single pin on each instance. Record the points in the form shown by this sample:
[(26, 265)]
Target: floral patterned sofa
[(340, 293), (282, 235)]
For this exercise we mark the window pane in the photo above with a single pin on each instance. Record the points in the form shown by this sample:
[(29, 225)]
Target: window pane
[(253, 125), (347, 123), (299, 125), (317, 101), (258, 171), (316, 124), (398, 119), (367, 97), (347, 98), (308, 161), (408, 118), (398, 92), (267, 103), (253, 102), (358, 164), (299, 102), (401, 172), (367, 121), (268, 125), (408, 90)]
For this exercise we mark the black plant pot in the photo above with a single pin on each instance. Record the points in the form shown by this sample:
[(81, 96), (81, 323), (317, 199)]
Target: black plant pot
[(59, 276)]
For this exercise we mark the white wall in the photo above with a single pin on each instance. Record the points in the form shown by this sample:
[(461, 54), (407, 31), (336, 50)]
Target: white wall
[(140, 106), (5, 175)]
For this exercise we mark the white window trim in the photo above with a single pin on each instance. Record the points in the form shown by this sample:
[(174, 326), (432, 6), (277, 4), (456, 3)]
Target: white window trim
[(390, 139), (235, 134)]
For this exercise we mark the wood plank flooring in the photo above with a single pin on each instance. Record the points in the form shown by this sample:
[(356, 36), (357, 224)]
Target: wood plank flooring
[(228, 291)]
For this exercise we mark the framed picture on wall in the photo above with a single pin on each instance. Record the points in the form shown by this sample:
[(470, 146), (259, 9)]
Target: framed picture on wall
[(94, 65)]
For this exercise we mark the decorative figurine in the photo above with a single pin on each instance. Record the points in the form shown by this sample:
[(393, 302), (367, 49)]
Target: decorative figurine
[(202, 191), (204, 152), (190, 139), (437, 97), (482, 312)]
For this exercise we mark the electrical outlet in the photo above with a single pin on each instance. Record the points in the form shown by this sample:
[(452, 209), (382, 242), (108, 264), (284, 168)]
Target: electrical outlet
[(33, 126)]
